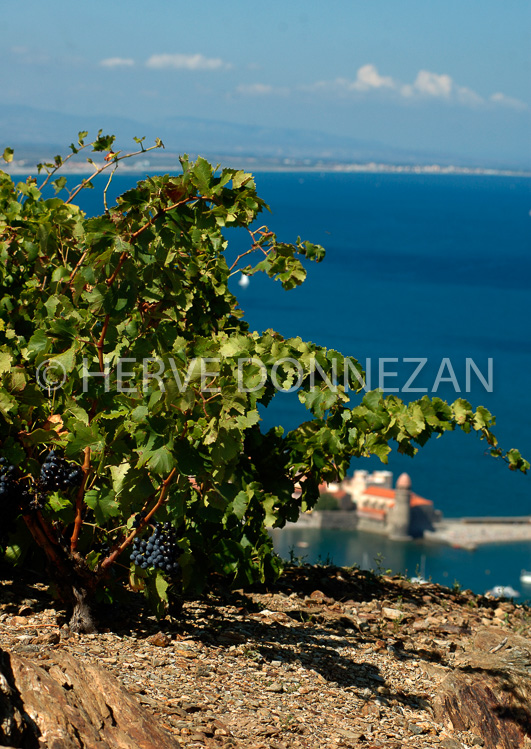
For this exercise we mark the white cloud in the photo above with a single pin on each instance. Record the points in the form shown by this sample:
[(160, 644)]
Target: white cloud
[(261, 89), (427, 85), (117, 62), (508, 101), (186, 62), (368, 77), (430, 84)]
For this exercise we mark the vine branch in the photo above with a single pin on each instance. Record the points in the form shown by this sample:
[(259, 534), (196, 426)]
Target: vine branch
[(98, 170), (100, 343), (79, 502), (106, 563)]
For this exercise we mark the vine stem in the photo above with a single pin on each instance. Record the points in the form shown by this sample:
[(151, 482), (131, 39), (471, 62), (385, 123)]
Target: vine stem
[(112, 278), (103, 167), (106, 563), (255, 246), (43, 539), (111, 175), (78, 265), (59, 166), (100, 343), (78, 522), (191, 199)]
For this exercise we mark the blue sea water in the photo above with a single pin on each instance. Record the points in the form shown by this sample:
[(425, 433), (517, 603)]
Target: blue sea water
[(417, 266)]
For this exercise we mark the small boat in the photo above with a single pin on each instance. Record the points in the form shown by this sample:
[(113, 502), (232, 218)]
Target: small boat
[(504, 591), (244, 281), (420, 579), (525, 577)]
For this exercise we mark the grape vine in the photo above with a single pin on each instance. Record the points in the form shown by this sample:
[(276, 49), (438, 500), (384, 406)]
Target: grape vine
[(98, 452)]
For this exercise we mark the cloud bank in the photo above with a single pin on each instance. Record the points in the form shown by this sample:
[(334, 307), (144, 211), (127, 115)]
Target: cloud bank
[(186, 62), (426, 86), (117, 62)]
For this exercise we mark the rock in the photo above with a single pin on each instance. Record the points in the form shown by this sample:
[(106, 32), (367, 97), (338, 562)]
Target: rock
[(370, 710), (275, 687), (345, 733), (450, 743), (74, 704), (52, 638), (487, 693), (160, 640), (393, 614)]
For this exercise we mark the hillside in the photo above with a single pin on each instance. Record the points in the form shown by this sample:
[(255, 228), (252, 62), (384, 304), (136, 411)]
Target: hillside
[(39, 134), (327, 658)]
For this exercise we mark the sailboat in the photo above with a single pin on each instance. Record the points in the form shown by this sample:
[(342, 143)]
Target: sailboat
[(525, 577), (420, 579)]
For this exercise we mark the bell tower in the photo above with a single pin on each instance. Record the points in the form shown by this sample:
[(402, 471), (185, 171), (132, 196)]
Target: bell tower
[(399, 517)]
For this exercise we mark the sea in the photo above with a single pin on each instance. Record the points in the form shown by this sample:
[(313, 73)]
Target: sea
[(425, 268)]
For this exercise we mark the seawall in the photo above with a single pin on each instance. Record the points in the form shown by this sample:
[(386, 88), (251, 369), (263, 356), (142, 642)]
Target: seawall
[(466, 532)]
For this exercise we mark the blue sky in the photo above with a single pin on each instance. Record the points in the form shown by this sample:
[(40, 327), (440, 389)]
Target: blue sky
[(453, 76)]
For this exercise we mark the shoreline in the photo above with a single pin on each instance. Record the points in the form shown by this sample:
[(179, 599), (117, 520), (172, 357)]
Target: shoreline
[(463, 533), (337, 168)]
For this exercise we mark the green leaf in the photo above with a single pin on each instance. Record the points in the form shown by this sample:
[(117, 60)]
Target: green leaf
[(161, 461), (155, 590), (202, 171), (104, 506), (8, 155), (118, 476), (8, 405), (269, 504), (40, 437), (241, 178), (84, 436), (39, 343), (5, 361), (103, 142), (239, 505)]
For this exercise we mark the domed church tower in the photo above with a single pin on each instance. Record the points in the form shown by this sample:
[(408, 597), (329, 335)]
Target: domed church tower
[(399, 516)]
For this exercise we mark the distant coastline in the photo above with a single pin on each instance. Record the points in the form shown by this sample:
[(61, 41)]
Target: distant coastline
[(23, 167)]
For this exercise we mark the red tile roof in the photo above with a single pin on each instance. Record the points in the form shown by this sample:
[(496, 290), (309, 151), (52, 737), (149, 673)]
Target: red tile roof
[(380, 491)]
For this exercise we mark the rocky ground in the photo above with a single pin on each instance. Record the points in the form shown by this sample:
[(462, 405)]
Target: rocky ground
[(327, 658)]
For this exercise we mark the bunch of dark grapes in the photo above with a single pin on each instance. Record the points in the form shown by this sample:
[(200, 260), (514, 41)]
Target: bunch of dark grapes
[(103, 549), (35, 501), (57, 474), (8, 483), (160, 551), (139, 517)]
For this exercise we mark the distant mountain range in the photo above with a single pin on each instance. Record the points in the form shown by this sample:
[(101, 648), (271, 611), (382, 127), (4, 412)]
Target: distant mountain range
[(39, 134)]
